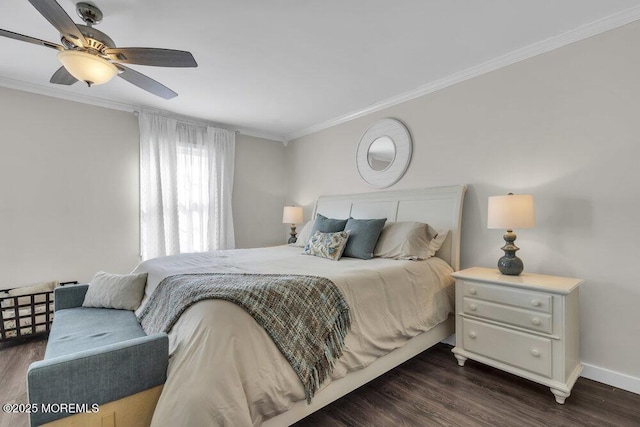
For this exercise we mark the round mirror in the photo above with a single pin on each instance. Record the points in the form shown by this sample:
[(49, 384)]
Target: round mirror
[(384, 153), (381, 153)]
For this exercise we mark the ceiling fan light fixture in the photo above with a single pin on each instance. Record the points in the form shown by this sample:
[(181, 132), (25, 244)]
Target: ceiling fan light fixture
[(86, 67)]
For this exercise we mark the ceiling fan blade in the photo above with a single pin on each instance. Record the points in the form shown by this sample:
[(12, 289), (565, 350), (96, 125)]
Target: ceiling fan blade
[(152, 56), (55, 14), (146, 83), (28, 39), (62, 77)]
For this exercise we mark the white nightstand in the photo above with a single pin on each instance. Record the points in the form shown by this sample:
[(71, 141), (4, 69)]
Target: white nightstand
[(527, 325)]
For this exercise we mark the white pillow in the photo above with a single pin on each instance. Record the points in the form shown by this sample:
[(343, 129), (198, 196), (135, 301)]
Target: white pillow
[(123, 292), (403, 240), (436, 243), (304, 235)]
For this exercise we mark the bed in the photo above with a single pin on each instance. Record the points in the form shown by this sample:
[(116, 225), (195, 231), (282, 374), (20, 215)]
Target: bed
[(225, 370)]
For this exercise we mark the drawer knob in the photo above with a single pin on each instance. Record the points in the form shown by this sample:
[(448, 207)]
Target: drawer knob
[(535, 353), (472, 307), (472, 291), (472, 335), (536, 303), (535, 321)]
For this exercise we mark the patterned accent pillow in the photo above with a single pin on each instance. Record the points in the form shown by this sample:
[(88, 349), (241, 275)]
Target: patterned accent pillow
[(327, 245)]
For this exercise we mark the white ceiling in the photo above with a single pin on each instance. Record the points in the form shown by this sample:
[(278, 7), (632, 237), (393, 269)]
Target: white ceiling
[(282, 68)]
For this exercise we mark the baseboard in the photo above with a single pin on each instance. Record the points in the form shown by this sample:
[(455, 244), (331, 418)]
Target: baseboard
[(612, 378)]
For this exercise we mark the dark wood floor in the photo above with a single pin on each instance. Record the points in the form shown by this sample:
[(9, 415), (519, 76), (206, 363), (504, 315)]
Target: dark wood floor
[(14, 361), (432, 390), (428, 390)]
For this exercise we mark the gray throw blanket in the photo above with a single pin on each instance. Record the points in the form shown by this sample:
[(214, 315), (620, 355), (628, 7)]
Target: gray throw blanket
[(306, 316)]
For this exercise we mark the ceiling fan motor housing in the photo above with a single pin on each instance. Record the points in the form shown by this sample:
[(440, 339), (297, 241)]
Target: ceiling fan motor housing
[(89, 13), (96, 39)]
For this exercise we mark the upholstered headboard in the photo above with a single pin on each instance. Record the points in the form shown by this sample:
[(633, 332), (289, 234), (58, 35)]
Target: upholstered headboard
[(440, 207)]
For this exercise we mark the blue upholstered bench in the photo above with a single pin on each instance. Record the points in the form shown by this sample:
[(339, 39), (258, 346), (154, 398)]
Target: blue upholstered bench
[(93, 356)]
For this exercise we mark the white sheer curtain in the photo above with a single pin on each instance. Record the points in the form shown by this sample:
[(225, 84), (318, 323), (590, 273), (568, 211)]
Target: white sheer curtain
[(186, 180)]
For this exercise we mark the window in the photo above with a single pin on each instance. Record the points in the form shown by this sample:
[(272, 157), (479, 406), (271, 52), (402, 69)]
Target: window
[(186, 180), (192, 178)]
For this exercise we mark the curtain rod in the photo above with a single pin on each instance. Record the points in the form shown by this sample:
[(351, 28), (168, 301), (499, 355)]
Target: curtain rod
[(184, 119), (203, 122)]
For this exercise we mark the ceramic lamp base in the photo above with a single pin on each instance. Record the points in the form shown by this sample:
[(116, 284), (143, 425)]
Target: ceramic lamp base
[(510, 264), (293, 233)]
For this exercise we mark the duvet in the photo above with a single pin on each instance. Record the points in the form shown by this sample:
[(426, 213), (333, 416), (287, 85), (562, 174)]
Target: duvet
[(224, 369)]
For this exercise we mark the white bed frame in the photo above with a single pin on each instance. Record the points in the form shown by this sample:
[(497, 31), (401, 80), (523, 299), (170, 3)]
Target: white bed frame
[(441, 207)]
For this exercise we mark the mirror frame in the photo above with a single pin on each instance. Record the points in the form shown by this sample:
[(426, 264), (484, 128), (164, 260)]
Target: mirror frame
[(399, 134)]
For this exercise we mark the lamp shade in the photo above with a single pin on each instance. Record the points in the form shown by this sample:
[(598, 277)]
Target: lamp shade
[(292, 215), (511, 211), (86, 67)]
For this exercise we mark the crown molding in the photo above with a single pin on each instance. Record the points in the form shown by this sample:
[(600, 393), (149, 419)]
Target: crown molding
[(262, 134), (61, 94), (54, 92), (204, 122), (580, 33)]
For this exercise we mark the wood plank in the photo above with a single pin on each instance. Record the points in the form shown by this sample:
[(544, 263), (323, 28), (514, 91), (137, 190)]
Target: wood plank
[(430, 389), (15, 359)]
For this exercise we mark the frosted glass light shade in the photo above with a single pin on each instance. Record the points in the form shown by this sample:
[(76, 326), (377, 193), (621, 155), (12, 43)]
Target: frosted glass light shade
[(292, 215), (86, 67), (511, 211)]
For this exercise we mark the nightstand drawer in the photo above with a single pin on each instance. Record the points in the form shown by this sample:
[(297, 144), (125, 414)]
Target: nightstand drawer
[(515, 348), (534, 320), (500, 294)]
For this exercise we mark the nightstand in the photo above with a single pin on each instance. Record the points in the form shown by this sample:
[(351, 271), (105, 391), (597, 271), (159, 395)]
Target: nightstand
[(527, 325)]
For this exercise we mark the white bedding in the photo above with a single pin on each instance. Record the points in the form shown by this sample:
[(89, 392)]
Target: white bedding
[(225, 370)]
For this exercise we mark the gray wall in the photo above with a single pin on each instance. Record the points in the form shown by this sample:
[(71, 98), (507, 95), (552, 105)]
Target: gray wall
[(69, 190), (563, 126), (259, 192)]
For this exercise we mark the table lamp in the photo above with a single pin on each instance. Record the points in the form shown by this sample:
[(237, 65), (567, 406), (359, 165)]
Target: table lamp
[(509, 212), (292, 215)]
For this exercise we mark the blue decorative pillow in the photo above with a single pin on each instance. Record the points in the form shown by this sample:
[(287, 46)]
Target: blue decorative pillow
[(327, 225), (363, 236), (327, 245)]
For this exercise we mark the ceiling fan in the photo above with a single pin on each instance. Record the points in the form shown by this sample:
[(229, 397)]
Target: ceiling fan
[(91, 56)]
